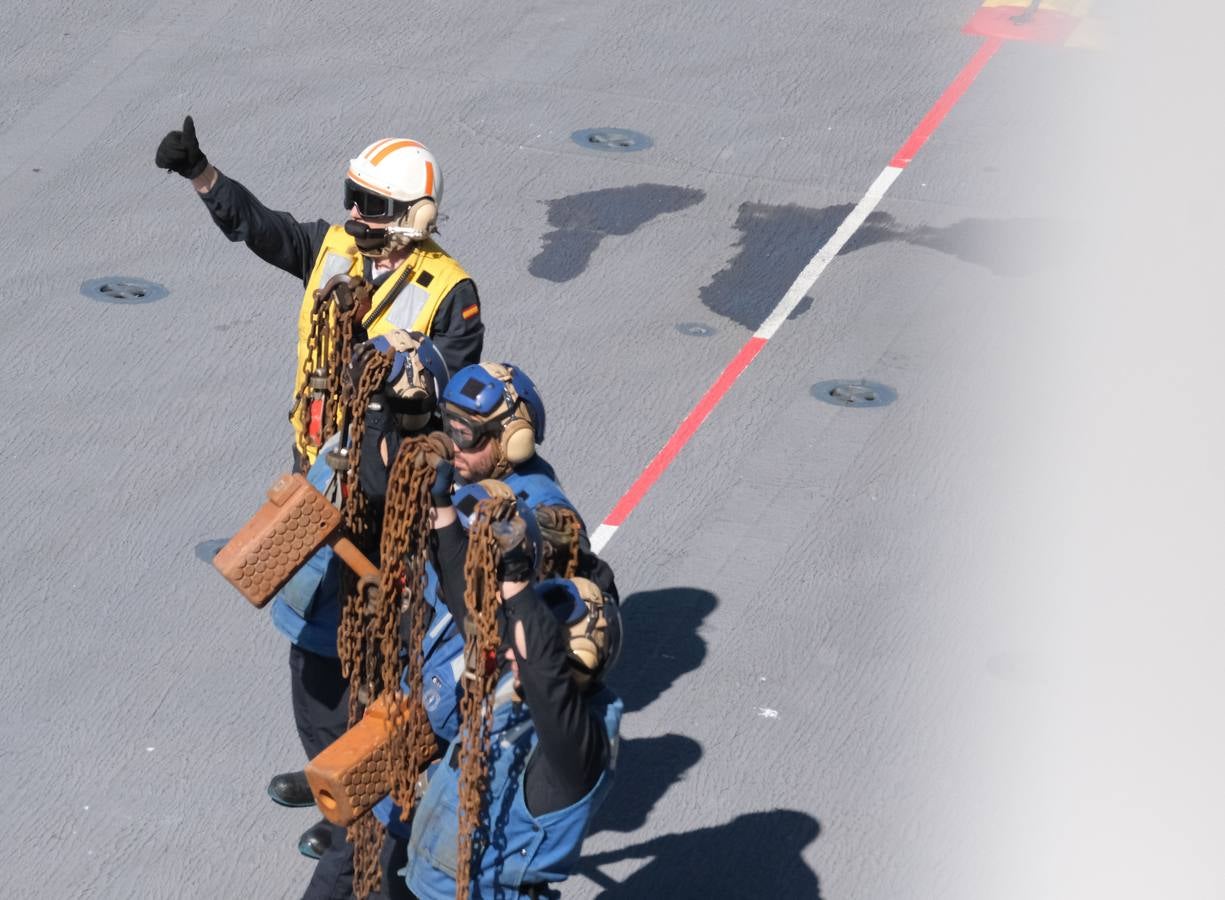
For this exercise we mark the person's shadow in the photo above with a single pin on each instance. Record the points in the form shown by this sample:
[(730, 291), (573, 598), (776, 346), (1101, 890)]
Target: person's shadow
[(662, 643), (755, 855)]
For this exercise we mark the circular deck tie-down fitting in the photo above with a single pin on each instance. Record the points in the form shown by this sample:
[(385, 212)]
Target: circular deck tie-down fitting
[(612, 140), (695, 329), (123, 289), (859, 393)]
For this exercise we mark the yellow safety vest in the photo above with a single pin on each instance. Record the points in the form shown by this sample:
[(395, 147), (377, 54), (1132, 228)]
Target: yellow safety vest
[(430, 275)]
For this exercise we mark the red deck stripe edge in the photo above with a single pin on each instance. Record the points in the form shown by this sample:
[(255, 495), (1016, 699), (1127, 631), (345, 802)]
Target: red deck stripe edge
[(749, 351), (945, 102), (681, 436)]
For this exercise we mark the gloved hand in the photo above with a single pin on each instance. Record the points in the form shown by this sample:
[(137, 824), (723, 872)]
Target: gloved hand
[(515, 561), (441, 448), (378, 414), (362, 354), (440, 490), (179, 151)]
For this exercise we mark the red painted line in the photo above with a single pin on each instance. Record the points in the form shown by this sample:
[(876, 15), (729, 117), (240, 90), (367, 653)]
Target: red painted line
[(749, 351), (681, 436), (946, 101)]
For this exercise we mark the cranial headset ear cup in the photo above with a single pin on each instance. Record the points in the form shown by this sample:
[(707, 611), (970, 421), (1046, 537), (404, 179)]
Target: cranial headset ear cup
[(421, 216), (582, 644), (585, 651), (518, 440)]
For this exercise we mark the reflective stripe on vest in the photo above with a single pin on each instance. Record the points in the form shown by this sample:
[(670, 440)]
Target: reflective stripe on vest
[(412, 309)]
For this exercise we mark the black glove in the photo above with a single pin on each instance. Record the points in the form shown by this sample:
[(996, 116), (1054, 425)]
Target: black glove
[(362, 354), (378, 414), (440, 490), (179, 151), (515, 562)]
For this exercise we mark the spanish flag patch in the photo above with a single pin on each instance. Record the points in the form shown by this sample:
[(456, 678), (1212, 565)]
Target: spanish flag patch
[(470, 311)]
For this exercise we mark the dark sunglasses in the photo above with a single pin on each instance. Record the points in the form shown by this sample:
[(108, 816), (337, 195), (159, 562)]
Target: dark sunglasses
[(371, 205)]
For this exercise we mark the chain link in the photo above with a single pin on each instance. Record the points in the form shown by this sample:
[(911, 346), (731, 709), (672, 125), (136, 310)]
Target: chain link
[(482, 639), (561, 528), (329, 343)]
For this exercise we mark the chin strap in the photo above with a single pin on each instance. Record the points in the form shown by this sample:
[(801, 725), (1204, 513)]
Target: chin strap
[(501, 466)]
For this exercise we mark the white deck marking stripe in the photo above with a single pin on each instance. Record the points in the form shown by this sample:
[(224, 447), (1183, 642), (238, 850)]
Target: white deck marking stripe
[(808, 277), (799, 288), (601, 537)]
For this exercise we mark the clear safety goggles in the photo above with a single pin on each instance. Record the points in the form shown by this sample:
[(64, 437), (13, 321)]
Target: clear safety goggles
[(371, 205), (468, 434)]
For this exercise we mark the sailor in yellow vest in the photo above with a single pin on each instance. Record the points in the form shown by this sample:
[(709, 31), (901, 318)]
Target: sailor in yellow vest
[(392, 191)]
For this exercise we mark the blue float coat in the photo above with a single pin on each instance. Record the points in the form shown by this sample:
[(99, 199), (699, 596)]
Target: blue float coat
[(522, 849)]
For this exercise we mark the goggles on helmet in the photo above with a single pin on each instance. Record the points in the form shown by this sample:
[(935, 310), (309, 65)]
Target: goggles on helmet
[(466, 432), (371, 205)]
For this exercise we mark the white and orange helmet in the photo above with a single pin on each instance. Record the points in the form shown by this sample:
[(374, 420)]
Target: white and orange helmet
[(399, 181)]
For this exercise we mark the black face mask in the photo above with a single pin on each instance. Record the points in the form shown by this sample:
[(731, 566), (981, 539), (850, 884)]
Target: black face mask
[(367, 238)]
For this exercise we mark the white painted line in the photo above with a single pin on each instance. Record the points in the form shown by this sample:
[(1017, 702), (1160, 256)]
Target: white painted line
[(802, 285), (602, 536), (808, 277)]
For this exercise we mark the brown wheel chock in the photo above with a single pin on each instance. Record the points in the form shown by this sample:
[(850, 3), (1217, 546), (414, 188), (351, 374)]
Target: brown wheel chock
[(288, 530), (353, 772)]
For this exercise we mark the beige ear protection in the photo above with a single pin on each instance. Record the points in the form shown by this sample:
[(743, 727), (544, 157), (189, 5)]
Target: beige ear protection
[(417, 223), (587, 634), (415, 386), (517, 441)]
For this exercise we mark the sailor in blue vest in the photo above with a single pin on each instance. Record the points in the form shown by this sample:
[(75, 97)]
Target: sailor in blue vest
[(307, 610), (489, 397), (561, 637), (494, 415)]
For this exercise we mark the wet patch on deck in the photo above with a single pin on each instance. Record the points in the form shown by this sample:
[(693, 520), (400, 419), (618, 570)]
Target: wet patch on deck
[(777, 242), (582, 221)]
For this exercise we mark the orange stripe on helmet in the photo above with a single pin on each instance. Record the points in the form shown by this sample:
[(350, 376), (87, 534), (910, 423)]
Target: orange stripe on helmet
[(429, 179), (392, 148), (376, 146)]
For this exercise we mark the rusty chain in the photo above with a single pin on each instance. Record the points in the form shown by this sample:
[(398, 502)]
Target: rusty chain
[(357, 658), (369, 637), (560, 527), (328, 345), (481, 641), (406, 537)]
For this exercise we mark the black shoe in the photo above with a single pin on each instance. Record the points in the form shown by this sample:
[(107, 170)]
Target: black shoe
[(316, 840), (291, 789)]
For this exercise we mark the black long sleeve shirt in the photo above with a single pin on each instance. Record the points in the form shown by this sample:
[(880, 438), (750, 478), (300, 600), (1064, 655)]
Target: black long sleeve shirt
[(292, 246), (573, 749)]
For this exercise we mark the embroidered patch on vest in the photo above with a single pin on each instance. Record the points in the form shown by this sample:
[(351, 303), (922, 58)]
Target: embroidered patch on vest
[(424, 279), (471, 311)]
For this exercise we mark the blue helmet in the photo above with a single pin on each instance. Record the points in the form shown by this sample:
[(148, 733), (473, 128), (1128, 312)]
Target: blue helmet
[(467, 497), (416, 356), (416, 379), (494, 400), (592, 622)]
